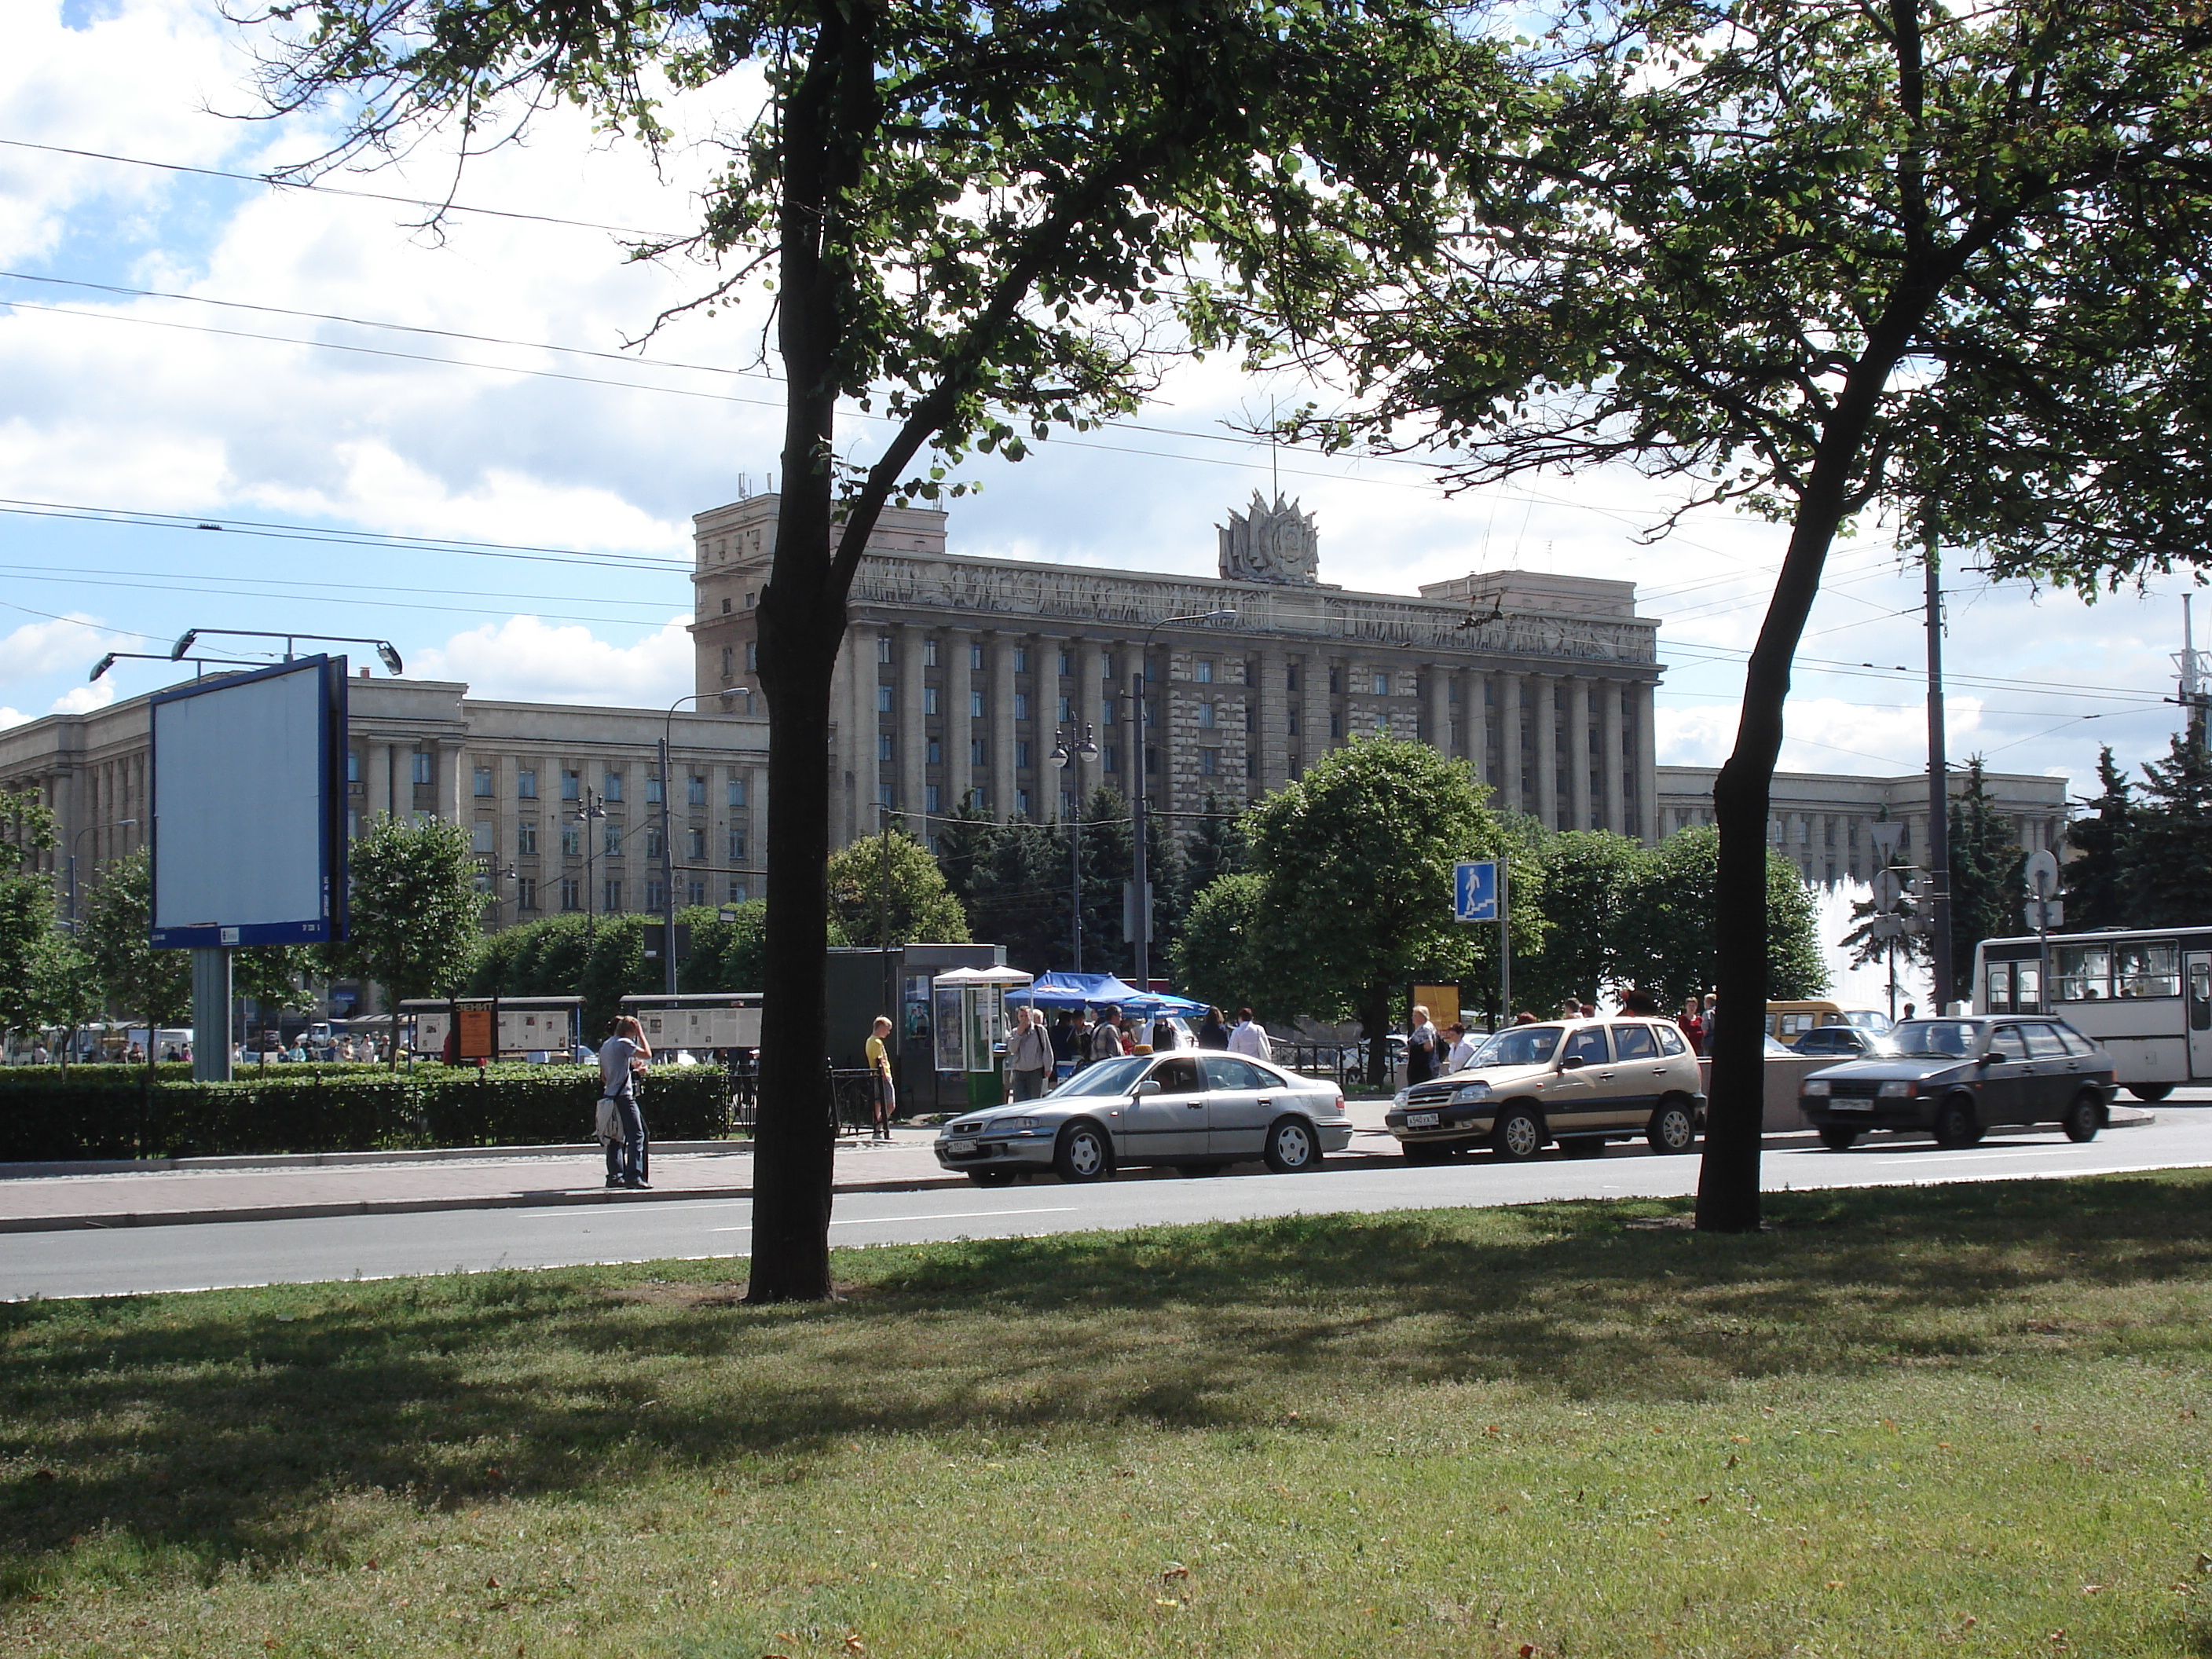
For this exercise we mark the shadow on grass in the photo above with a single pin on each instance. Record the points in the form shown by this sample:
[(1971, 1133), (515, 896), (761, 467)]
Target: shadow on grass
[(221, 1427)]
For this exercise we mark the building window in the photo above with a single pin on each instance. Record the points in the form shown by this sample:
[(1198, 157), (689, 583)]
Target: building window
[(729, 664), (695, 846), (1205, 716), (525, 837), (1066, 661), (353, 766), (653, 841), (975, 705), (695, 793), (611, 894), (572, 893), (1291, 678), (883, 648), (1209, 763), (613, 840), (656, 896), (613, 790), (1021, 659), (1335, 681), (480, 836), (931, 800), (654, 789), (698, 892), (525, 893), (883, 744), (422, 773), (974, 656), (1292, 720), (1251, 718), (1021, 705), (526, 783), (1066, 805), (1152, 761), (929, 653), (752, 656), (883, 700), (1106, 757), (976, 752), (929, 700), (936, 756), (572, 840), (741, 891), (572, 785), (1107, 714), (737, 792), (1067, 710), (1202, 670), (1335, 726), (1251, 764), (737, 847), (1381, 685), (1022, 755), (1106, 665), (1021, 802)]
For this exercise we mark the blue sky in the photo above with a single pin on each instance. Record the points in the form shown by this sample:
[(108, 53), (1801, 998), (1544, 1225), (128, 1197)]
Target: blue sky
[(116, 402)]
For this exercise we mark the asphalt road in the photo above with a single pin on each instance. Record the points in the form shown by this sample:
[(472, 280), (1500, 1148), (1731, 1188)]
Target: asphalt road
[(146, 1259)]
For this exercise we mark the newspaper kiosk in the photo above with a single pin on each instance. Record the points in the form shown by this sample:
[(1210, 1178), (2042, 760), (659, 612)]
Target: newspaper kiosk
[(972, 1027)]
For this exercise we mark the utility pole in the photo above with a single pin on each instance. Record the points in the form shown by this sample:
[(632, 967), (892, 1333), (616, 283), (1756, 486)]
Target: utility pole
[(1939, 793)]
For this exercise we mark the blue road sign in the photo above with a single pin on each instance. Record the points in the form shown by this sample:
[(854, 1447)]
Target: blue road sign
[(1475, 891)]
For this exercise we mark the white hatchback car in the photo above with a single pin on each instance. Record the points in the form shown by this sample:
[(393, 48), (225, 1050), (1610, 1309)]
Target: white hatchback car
[(1192, 1110)]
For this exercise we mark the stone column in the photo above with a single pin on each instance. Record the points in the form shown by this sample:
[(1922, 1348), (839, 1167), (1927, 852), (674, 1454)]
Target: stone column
[(755, 816), (910, 743), (377, 761), (862, 726), (1510, 797), (1578, 752), (1647, 769), (1436, 684), (1548, 748), (452, 789), (1083, 694), (1273, 736), (1474, 688), (1313, 720), (1608, 727), (959, 723), (999, 659)]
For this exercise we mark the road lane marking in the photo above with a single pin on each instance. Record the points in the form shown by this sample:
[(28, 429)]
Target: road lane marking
[(956, 1215)]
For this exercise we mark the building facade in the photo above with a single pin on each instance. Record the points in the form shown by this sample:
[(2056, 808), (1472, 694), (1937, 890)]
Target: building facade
[(1818, 820), (519, 775), (960, 676)]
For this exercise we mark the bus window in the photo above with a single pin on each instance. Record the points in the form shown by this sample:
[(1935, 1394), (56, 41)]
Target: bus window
[(2000, 993), (2145, 971), (2084, 972), (2200, 996), (2028, 987)]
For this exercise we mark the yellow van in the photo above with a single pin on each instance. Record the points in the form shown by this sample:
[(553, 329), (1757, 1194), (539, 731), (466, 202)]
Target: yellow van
[(1788, 1021)]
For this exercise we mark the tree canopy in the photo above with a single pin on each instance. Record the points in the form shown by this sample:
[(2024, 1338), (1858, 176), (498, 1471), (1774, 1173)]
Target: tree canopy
[(891, 882), (413, 911)]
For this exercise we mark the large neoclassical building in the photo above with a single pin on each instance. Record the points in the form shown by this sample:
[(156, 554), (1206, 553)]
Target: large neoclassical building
[(961, 676)]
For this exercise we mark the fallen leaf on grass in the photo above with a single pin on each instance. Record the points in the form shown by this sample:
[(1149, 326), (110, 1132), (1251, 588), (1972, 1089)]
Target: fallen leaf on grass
[(1165, 1602), (855, 1645), (491, 1583), (1731, 1462), (1835, 1583), (1707, 1499), (2092, 1589), (1177, 1571)]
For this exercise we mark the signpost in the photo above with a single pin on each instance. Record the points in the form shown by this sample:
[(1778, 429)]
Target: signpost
[(2044, 912), (1479, 891)]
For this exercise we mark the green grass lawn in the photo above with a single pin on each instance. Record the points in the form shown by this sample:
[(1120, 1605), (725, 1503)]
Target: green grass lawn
[(1961, 1419)]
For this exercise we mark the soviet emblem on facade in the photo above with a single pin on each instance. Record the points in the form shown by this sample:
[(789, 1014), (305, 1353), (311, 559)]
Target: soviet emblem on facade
[(1276, 543)]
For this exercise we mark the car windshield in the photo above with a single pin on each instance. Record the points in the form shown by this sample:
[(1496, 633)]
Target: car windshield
[(1952, 1039), (1109, 1077), (1519, 1045)]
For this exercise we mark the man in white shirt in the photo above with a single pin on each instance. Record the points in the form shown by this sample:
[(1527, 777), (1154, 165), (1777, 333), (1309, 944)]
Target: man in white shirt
[(1249, 1037)]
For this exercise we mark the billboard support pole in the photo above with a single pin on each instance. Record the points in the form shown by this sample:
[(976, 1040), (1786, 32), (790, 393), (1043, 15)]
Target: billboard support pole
[(1504, 953), (211, 1032)]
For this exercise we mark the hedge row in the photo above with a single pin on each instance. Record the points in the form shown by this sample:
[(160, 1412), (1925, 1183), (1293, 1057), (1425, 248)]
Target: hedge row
[(114, 1117)]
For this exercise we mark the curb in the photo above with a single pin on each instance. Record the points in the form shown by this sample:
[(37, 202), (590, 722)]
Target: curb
[(345, 1160)]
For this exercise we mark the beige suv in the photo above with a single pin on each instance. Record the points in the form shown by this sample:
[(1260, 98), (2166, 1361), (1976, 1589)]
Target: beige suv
[(1579, 1082)]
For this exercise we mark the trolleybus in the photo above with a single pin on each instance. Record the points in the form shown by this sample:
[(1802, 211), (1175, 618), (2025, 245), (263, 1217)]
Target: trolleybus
[(2144, 993)]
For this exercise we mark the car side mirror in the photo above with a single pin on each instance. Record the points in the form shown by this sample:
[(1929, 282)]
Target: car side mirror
[(1572, 1063), (1151, 1085), (1985, 1060)]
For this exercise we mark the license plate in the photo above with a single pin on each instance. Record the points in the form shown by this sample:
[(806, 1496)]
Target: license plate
[(1850, 1105), (1420, 1120), (959, 1148)]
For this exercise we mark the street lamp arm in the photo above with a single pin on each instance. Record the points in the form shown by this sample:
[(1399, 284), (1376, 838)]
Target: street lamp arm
[(386, 652)]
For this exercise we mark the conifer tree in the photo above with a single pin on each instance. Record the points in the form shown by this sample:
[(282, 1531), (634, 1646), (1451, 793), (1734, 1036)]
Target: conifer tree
[(2095, 885), (1988, 885), (2171, 871)]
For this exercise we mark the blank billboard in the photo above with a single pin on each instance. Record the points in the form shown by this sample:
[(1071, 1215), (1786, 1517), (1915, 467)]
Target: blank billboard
[(248, 808)]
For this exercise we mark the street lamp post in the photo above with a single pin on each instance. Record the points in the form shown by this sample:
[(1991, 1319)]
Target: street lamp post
[(1066, 747), (386, 652), (200, 665), (667, 848), (119, 824), (1140, 906), (590, 808)]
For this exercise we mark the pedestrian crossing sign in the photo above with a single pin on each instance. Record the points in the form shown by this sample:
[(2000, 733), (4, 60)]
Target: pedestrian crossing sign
[(1474, 891)]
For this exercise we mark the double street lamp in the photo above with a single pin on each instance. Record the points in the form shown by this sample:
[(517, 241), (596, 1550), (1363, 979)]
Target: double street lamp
[(1140, 902), (590, 809), (386, 652), (1067, 746), (119, 824)]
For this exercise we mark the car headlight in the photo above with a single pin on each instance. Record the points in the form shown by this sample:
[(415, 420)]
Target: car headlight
[(1898, 1088), (1467, 1094), (1817, 1087), (1399, 1099), (1007, 1126)]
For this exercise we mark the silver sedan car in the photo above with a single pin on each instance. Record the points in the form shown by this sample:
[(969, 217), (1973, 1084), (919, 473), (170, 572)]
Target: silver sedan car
[(1190, 1111)]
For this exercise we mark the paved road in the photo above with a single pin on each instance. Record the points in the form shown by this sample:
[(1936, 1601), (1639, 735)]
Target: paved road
[(94, 1263)]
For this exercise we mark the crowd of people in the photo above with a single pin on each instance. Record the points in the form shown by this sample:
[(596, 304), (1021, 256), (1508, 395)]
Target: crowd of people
[(1432, 1053)]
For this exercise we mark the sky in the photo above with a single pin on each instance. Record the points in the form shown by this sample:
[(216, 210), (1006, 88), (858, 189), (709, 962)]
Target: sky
[(443, 441)]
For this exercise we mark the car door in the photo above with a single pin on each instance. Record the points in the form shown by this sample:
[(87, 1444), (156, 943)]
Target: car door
[(1638, 1077), (2008, 1088), (2058, 1073), (1576, 1101), (1240, 1100), (1169, 1125)]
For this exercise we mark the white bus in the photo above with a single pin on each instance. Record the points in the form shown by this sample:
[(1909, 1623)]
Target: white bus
[(2144, 993)]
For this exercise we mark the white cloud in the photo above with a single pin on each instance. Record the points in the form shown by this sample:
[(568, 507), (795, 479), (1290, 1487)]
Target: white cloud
[(524, 659), (1823, 734), (12, 717), (83, 699), (43, 647)]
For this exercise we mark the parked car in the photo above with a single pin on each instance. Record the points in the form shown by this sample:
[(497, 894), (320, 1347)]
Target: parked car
[(1193, 1111), (1956, 1078), (1578, 1082), (1843, 1042)]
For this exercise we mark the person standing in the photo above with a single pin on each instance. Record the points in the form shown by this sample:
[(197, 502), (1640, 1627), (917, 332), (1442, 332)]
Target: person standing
[(1213, 1030), (1250, 1037), (1079, 1041), (1106, 1037), (1692, 1019), (1463, 1046), (1028, 1055), (879, 1073), (1421, 1048), (622, 1057)]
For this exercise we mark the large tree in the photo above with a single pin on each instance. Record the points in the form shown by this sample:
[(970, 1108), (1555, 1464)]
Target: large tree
[(414, 914), (973, 216), (29, 961), (1587, 876), (1826, 258), (888, 889), (1988, 880), (2097, 881), (2171, 869)]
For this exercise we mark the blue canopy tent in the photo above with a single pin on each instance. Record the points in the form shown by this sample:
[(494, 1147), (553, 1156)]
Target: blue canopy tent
[(1059, 990)]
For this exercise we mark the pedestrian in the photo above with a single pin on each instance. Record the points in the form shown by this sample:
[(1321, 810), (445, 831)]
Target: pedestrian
[(1250, 1037), (1078, 1041), (1524, 1018), (1908, 1010), (1463, 1046), (1028, 1055), (1213, 1030), (622, 1057), (1106, 1037), (1421, 1048), (39, 1056), (1063, 1042), (1571, 1008), (1589, 1011), (1692, 1019), (879, 1072), (1640, 1003), (1163, 1035)]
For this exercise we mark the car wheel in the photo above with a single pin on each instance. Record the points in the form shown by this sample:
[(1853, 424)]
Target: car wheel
[(1674, 1129), (2150, 1092), (1082, 1154), (1292, 1146), (2084, 1118), (1518, 1136), (992, 1177), (1836, 1138), (1955, 1125), (1583, 1146)]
